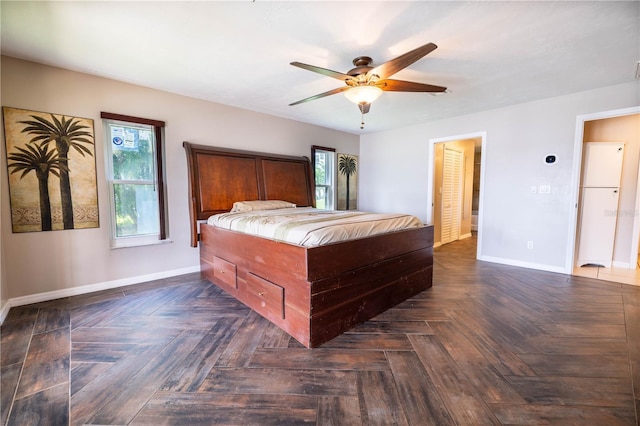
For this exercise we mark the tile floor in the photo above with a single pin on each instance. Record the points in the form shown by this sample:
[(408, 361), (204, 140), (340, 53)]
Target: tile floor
[(618, 275)]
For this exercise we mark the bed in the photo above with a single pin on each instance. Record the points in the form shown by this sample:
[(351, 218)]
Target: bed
[(314, 293)]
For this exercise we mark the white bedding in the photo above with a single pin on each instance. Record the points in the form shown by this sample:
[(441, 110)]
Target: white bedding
[(311, 227)]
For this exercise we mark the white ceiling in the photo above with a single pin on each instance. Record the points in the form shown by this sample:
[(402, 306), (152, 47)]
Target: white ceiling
[(490, 54)]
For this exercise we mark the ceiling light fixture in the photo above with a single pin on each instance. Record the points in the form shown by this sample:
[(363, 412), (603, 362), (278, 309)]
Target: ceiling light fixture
[(363, 94)]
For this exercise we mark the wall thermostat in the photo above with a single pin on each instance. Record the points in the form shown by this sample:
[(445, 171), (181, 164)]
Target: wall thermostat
[(550, 159)]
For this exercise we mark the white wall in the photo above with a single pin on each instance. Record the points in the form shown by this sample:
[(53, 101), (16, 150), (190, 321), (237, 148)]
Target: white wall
[(393, 176), (39, 265)]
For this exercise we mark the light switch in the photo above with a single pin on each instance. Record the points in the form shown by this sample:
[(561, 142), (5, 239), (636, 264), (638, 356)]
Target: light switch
[(534, 189), (544, 189)]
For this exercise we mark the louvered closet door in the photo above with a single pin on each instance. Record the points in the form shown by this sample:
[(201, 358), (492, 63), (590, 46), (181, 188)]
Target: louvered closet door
[(451, 195)]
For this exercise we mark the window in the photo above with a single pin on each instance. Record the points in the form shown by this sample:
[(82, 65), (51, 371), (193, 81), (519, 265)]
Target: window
[(134, 163), (324, 172)]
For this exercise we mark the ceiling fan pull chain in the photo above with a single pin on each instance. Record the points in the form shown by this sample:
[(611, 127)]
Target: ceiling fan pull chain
[(362, 124)]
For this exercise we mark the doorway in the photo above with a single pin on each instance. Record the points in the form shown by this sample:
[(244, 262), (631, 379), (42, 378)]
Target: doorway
[(455, 184), (611, 126)]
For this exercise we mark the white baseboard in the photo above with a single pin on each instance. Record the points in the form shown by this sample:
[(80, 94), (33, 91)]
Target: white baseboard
[(463, 236), (521, 264), (4, 311), (90, 288), (624, 265)]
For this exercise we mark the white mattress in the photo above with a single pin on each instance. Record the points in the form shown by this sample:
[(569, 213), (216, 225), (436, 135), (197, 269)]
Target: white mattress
[(311, 227)]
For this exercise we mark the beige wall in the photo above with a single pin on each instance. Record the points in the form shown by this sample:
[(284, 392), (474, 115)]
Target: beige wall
[(467, 147), (621, 129), (76, 260)]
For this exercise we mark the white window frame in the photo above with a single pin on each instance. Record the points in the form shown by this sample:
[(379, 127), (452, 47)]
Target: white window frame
[(330, 175), (155, 128)]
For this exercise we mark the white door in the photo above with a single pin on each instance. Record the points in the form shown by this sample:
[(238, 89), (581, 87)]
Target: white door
[(598, 226), (452, 168), (602, 164)]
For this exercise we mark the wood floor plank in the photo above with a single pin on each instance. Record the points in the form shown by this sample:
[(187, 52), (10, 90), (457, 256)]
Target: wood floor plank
[(376, 341), (563, 415), (489, 383), (320, 359), (281, 381), (220, 409), (88, 400), (562, 390), (83, 373), (613, 316), (577, 365), (632, 327), (189, 375), (502, 358), (47, 362), (338, 410), (569, 330), (49, 407), (51, 319), (275, 337), (99, 352), (240, 349), (124, 335), (407, 327), (422, 403), (9, 376), (463, 400), (380, 401), (15, 337), (130, 399), (582, 346)]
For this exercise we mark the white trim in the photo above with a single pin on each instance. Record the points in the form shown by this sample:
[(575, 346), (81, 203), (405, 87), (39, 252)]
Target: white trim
[(575, 185), (463, 236), (430, 170), (521, 264), (4, 311), (90, 288), (623, 265)]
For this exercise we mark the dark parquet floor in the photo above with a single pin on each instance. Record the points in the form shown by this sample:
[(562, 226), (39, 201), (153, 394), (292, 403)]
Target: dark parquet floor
[(488, 344)]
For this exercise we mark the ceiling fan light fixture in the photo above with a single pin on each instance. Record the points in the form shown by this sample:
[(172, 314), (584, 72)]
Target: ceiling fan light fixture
[(363, 94)]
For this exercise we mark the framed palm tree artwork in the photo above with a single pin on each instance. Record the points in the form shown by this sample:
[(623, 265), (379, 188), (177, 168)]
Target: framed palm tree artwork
[(347, 182), (52, 171)]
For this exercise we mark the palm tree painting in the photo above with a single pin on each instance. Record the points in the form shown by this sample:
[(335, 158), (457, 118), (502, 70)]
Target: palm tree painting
[(347, 182), (52, 171)]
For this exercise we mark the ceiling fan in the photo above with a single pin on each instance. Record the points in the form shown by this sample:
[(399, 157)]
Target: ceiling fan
[(365, 84)]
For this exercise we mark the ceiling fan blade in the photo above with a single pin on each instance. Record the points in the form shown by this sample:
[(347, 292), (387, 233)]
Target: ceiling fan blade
[(407, 86), (323, 71), (394, 65), (322, 95)]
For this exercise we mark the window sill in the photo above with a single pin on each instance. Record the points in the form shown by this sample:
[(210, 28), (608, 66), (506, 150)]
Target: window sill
[(137, 243)]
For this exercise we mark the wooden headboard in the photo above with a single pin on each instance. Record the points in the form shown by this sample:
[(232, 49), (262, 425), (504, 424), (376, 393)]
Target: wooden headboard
[(218, 177)]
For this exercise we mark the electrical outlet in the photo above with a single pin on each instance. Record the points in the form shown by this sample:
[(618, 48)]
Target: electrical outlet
[(529, 245)]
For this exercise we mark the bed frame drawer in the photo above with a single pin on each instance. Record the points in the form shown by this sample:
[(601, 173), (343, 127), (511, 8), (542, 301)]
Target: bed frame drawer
[(225, 273), (265, 296)]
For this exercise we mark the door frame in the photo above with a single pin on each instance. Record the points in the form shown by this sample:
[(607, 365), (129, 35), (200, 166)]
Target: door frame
[(430, 178), (578, 147)]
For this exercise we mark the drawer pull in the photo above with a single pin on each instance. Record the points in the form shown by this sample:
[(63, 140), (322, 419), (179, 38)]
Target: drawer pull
[(261, 293)]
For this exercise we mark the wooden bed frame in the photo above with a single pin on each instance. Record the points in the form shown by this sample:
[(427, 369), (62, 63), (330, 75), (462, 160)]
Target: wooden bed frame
[(314, 294)]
